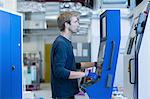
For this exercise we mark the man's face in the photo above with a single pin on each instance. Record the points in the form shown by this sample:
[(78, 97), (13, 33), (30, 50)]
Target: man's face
[(74, 24)]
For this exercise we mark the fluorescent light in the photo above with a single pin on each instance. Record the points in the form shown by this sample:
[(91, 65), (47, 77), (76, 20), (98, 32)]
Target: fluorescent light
[(51, 17)]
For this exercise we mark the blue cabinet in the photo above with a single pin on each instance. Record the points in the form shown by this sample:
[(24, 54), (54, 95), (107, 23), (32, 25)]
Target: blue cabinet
[(10, 56)]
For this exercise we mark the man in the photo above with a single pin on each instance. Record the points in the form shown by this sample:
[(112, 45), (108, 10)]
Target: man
[(63, 67)]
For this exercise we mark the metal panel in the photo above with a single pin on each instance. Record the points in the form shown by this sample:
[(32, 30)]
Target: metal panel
[(144, 64), (10, 56), (5, 72), (0, 53), (16, 64)]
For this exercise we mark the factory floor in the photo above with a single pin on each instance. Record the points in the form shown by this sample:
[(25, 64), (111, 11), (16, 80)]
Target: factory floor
[(45, 93)]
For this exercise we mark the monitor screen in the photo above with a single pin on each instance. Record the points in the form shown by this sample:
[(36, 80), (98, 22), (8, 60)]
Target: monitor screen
[(104, 27), (138, 2), (103, 32)]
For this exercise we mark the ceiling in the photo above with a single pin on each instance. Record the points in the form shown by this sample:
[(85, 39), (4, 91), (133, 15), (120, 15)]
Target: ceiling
[(39, 15)]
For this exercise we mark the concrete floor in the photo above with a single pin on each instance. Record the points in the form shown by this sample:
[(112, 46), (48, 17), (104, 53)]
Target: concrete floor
[(45, 93)]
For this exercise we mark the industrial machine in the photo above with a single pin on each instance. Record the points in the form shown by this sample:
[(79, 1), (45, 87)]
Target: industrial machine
[(101, 88), (10, 55), (135, 63)]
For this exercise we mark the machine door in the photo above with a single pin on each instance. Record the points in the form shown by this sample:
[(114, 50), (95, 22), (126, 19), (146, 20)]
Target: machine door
[(0, 54), (16, 65), (5, 70)]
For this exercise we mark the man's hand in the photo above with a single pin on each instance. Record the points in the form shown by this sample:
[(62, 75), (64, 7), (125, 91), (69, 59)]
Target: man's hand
[(93, 76)]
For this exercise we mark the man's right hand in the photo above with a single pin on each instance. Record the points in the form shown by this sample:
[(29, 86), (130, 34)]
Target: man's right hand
[(93, 76)]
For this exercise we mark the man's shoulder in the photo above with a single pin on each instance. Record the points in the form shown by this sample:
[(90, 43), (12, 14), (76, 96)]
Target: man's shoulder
[(59, 40)]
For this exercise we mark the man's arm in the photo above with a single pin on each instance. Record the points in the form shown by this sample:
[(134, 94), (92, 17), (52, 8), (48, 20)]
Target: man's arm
[(75, 75), (87, 64)]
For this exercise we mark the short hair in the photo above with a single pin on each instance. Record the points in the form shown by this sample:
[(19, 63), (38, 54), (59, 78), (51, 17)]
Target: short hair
[(65, 17)]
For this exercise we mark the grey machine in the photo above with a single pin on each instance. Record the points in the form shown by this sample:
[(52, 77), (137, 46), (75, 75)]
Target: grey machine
[(137, 53)]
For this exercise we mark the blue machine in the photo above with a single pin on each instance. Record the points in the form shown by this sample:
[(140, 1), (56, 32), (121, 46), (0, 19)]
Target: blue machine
[(10, 56), (107, 57)]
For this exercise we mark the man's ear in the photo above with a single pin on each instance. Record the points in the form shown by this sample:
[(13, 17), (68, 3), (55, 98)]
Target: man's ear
[(67, 24)]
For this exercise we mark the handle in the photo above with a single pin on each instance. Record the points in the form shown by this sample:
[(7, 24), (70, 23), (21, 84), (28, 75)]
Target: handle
[(109, 82), (13, 68), (129, 70)]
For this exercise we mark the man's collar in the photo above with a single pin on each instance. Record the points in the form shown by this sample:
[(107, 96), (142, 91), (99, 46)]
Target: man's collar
[(66, 37)]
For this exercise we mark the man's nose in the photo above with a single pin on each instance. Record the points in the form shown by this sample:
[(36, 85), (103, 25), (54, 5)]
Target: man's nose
[(78, 24)]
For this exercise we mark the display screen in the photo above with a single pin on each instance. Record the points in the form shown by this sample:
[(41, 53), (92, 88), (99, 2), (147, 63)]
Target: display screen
[(101, 51), (103, 28), (138, 2), (100, 58)]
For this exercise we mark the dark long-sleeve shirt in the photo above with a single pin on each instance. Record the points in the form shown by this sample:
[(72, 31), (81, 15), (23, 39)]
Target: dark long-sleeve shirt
[(62, 62)]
